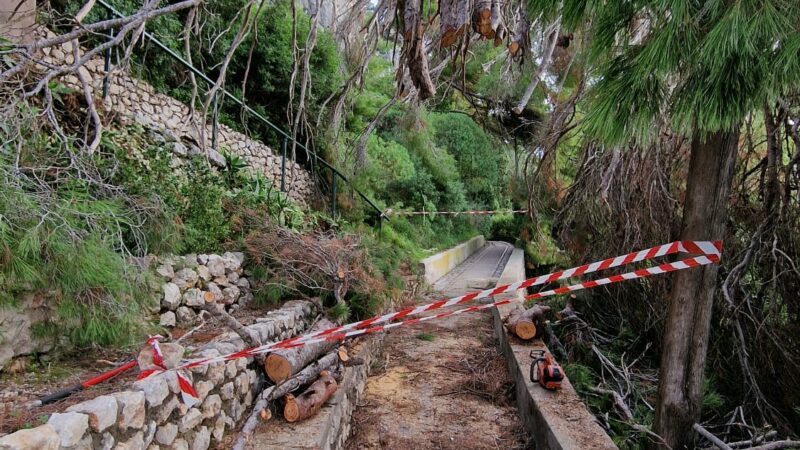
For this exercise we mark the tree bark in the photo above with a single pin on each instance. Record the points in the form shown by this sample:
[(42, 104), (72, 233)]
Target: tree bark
[(527, 324), (309, 402), (685, 341), (282, 364)]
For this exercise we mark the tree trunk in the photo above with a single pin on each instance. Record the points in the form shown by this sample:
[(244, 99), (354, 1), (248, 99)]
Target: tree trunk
[(282, 364), (309, 402), (685, 341)]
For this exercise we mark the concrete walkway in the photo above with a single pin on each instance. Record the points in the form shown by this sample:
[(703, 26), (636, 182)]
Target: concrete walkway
[(444, 385)]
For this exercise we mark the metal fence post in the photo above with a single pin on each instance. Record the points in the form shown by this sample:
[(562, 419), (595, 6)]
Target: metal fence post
[(214, 120), (283, 165), (333, 196)]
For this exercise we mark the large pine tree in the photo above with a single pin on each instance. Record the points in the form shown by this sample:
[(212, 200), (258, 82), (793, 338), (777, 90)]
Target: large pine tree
[(700, 67)]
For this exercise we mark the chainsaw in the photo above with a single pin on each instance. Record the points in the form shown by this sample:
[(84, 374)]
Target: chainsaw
[(545, 371)]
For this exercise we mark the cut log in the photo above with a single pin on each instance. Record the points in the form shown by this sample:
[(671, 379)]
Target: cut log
[(282, 364), (520, 326), (328, 362), (309, 402), (527, 324), (343, 356)]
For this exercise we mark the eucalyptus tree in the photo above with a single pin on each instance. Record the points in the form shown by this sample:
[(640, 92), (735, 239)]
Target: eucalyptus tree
[(696, 68)]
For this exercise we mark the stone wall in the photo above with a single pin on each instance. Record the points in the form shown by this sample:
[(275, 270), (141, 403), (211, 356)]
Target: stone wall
[(132, 99), (189, 279), (151, 414)]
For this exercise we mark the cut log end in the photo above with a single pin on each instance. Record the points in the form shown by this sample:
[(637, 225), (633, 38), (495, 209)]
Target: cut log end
[(277, 368), (524, 330), (343, 356), (265, 414), (209, 297), (291, 412)]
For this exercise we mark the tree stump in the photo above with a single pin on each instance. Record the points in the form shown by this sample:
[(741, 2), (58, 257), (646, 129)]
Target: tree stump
[(282, 364), (309, 402)]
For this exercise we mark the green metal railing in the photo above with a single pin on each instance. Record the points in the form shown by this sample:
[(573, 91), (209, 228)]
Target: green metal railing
[(285, 137)]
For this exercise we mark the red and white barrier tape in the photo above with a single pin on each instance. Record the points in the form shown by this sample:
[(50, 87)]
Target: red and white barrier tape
[(708, 253), (455, 213)]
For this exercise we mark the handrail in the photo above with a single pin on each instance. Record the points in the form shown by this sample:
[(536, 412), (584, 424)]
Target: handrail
[(250, 110)]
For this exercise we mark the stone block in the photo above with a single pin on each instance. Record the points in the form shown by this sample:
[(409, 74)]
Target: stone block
[(191, 419), (166, 434), (44, 437), (70, 426), (132, 411), (102, 411), (172, 296), (167, 319), (155, 389)]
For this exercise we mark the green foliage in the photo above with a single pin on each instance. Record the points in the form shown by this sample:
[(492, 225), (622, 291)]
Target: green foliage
[(428, 337)]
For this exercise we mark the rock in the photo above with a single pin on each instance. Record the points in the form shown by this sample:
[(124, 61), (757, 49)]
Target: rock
[(171, 353), (221, 281), (230, 369), (167, 319), (190, 261), (226, 392), (16, 323), (203, 273), (166, 271), (70, 427), (219, 428), (202, 439), (155, 389), (132, 409), (202, 259), (216, 265), (243, 283), (214, 289), (185, 278), (233, 277), (212, 406), (193, 297), (216, 372), (163, 414), (135, 442), (102, 411), (203, 388), (180, 444), (179, 149), (149, 432), (216, 158), (107, 442), (192, 419), (233, 261), (44, 437), (185, 315), (230, 295), (172, 296), (166, 434)]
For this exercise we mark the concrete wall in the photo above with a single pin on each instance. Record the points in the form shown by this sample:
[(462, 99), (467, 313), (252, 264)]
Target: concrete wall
[(151, 415), (438, 265), (558, 420), (130, 99)]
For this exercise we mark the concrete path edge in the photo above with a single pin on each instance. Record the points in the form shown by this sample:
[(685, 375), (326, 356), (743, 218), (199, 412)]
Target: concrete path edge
[(438, 265), (557, 420)]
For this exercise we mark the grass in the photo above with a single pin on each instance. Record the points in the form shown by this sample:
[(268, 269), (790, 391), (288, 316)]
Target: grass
[(426, 337)]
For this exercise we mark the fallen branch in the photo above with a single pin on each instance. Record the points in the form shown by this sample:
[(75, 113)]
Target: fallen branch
[(711, 438), (210, 306)]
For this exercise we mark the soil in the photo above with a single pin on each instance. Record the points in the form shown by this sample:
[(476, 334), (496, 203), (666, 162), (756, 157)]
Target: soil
[(442, 386)]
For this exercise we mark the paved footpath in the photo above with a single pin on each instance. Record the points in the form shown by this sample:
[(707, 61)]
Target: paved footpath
[(443, 385)]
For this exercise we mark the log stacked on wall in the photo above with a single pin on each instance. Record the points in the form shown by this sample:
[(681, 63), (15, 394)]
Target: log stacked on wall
[(309, 402), (282, 364)]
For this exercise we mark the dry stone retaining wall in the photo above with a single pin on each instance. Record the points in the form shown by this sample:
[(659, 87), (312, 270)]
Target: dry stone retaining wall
[(151, 414), (189, 278), (136, 100)]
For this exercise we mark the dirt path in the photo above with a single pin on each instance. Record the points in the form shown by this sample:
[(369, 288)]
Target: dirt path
[(443, 384)]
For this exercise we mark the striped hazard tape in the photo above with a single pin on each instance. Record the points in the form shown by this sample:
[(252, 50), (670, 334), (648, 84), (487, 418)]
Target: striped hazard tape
[(707, 253), (456, 213)]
